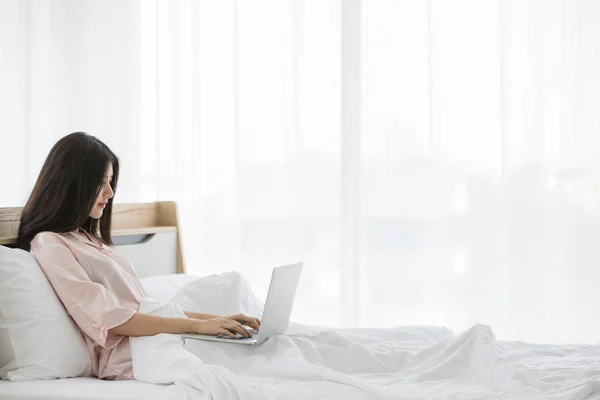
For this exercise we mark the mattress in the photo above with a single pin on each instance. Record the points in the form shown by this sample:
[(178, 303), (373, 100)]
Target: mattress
[(84, 389)]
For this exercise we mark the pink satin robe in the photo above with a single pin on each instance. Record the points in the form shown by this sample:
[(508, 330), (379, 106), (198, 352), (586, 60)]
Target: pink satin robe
[(99, 289)]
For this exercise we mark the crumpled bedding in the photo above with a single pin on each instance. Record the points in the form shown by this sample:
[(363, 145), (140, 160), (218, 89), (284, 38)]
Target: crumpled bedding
[(324, 363)]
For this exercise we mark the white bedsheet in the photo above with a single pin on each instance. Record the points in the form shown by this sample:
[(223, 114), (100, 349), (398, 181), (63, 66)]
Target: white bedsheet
[(403, 363), (86, 389)]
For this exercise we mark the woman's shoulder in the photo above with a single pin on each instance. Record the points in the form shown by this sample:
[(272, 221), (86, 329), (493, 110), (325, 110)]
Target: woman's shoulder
[(48, 238)]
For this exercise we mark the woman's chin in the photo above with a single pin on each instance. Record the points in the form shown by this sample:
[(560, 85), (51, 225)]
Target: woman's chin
[(96, 214)]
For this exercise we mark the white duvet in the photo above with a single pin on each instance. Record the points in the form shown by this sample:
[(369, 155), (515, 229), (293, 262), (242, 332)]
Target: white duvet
[(319, 363)]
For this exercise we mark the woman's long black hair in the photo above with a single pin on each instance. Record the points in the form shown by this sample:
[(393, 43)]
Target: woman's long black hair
[(67, 188)]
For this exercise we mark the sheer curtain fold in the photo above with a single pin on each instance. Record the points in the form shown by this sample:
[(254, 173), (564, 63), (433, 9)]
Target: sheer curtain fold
[(475, 140), (66, 66)]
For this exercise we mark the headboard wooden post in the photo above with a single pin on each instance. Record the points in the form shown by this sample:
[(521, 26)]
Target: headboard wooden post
[(9, 224), (168, 216)]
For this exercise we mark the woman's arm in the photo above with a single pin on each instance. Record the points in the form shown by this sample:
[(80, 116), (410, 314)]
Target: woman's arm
[(148, 325), (196, 315)]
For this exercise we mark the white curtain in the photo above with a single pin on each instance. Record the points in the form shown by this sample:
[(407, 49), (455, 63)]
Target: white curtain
[(431, 162)]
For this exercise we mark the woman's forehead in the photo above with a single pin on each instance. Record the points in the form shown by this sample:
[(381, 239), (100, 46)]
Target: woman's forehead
[(109, 170)]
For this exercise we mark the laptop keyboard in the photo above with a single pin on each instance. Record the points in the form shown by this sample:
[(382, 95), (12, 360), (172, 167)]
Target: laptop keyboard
[(238, 336)]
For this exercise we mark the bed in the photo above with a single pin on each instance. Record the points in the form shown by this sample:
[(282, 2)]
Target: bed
[(78, 389), (309, 362)]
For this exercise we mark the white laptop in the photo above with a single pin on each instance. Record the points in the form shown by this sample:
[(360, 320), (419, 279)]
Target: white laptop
[(278, 308)]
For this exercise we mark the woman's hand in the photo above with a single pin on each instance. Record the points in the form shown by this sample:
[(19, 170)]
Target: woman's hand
[(219, 325), (252, 322)]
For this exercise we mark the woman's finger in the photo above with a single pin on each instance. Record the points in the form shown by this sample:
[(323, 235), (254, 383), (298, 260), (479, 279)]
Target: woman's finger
[(226, 332), (248, 320), (246, 332), (241, 330), (242, 319), (238, 323), (253, 323)]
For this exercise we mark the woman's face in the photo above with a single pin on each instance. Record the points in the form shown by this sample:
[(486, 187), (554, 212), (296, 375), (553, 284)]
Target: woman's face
[(104, 194)]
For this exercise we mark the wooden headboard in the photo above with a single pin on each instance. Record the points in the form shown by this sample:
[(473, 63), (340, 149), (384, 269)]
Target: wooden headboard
[(148, 233)]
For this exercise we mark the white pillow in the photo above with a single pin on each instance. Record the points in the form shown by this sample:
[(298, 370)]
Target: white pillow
[(164, 287), (205, 294), (38, 339)]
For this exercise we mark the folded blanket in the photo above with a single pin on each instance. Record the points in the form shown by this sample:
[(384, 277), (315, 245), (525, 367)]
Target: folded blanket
[(325, 363)]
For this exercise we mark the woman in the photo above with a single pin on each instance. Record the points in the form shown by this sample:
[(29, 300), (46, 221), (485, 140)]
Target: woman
[(66, 227)]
